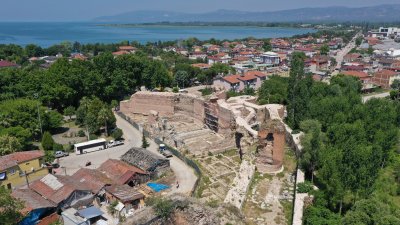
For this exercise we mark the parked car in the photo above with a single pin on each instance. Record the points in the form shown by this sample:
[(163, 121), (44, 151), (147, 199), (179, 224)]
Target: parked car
[(114, 143), (166, 153), (59, 154)]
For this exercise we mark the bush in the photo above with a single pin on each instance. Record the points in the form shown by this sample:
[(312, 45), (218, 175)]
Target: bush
[(304, 187), (117, 133), (92, 137), (206, 91), (175, 89), (81, 133), (163, 207), (58, 147), (49, 156)]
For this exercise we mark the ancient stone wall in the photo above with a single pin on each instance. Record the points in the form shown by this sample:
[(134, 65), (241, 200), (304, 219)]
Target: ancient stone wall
[(142, 102)]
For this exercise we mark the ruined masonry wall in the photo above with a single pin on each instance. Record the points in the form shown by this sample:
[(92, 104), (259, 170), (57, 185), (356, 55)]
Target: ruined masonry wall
[(143, 102)]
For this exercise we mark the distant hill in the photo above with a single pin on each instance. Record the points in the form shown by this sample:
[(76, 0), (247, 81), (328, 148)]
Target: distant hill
[(380, 13)]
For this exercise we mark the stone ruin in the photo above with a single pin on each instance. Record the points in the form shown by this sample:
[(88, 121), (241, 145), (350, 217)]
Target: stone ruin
[(215, 124)]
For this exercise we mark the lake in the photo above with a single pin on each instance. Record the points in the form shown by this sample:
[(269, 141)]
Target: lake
[(47, 34)]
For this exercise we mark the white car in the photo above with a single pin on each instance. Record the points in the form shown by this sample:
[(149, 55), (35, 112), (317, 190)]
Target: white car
[(59, 154)]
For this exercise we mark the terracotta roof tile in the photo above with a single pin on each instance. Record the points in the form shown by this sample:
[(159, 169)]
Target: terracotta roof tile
[(13, 159), (119, 171), (31, 199), (358, 74)]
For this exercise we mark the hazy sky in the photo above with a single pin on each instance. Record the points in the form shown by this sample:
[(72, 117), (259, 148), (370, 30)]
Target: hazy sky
[(80, 10)]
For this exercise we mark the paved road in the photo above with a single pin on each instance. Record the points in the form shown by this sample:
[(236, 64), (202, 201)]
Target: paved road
[(133, 138), (344, 51), (380, 95)]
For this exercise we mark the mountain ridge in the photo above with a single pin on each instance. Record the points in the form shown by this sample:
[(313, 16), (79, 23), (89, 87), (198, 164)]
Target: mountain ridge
[(379, 13)]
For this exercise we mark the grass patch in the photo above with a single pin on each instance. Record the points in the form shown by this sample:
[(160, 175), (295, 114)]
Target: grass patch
[(288, 210), (232, 152)]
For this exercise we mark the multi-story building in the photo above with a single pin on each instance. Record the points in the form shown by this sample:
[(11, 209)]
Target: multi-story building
[(271, 58), (18, 168)]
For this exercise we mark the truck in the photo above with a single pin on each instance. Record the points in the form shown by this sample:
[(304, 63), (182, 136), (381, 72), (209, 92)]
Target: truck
[(114, 143)]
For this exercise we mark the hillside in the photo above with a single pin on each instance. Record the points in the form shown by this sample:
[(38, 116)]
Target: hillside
[(381, 13)]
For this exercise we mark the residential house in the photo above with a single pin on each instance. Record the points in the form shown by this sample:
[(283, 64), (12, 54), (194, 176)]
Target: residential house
[(202, 66), (129, 199), (86, 216), (384, 78), (63, 191), (147, 161), (271, 58), (123, 173), (18, 168), (219, 58), (36, 208), (120, 52), (93, 180), (7, 64), (128, 48), (197, 55), (238, 82), (351, 57)]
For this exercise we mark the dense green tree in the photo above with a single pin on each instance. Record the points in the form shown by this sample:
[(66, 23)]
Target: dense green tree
[(9, 208), (69, 111), (182, 79), (273, 90), (9, 144), (117, 133), (47, 141)]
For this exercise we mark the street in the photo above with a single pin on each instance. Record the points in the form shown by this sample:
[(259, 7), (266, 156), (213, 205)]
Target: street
[(133, 138), (340, 55)]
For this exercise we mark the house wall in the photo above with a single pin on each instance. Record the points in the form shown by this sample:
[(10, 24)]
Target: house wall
[(16, 180)]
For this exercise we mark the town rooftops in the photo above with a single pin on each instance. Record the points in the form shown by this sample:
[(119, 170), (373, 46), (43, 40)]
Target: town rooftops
[(31, 199), (236, 78), (386, 73), (5, 63), (143, 159), (271, 54), (92, 179), (118, 171), (124, 193), (15, 158), (57, 188), (359, 74), (121, 52), (127, 48)]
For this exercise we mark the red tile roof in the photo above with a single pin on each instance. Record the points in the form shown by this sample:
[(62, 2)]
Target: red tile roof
[(5, 63), (359, 74), (247, 76), (57, 188), (120, 53), (127, 48), (92, 179), (232, 79), (31, 200), (15, 158), (119, 171), (385, 73)]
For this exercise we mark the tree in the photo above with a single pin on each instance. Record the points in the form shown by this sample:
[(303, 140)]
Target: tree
[(69, 111), (47, 141), (117, 133), (182, 79), (298, 91), (9, 144), (104, 115), (324, 50), (273, 91), (114, 104), (145, 144), (312, 145), (9, 207)]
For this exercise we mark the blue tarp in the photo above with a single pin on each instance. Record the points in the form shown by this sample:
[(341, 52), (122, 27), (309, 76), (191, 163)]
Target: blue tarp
[(90, 212), (157, 187)]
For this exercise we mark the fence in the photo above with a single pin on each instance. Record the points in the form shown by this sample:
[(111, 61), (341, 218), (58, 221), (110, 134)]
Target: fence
[(175, 152)]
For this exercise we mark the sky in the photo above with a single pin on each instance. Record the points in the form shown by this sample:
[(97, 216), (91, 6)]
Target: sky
[(83, 10)]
